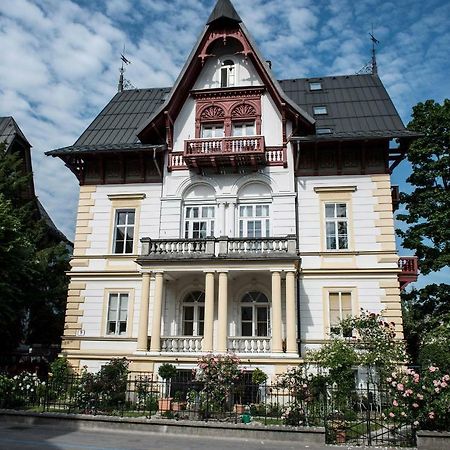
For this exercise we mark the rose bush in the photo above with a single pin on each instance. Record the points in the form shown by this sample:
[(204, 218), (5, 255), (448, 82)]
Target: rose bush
[(421, 399)]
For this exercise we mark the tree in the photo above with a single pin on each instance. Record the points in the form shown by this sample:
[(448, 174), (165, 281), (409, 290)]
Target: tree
[(428, 234), (33, 285), (428, 206)]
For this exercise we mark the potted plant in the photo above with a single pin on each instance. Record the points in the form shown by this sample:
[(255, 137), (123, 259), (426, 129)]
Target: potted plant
[(177, 403), (166, 371)]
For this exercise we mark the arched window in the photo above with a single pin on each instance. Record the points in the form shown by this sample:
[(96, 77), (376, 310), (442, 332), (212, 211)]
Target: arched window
[(227, 73), (255, 313), (194, 314)]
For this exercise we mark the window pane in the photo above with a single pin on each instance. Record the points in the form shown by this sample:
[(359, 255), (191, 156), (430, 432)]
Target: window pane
[(341, 210), (131, 218), (346, 298), (247, 329), (206, 132), (261, 314), (247, 313), (129, 247), (261, 329), (250, 130), (118, 247), (120, 233), (111, 327), (121, 218), (241, 228), (188, 328), (201, 313), (188, 313), (335, 311), (331, 229), (259, 211), (343, 242), (201, 329), (329, 210), (342, 228), (331, 243), (122, 327), (258, 231)]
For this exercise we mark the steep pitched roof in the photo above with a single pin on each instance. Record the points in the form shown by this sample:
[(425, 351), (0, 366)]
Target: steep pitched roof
[(10, 130), (356, 106), (224, 9)]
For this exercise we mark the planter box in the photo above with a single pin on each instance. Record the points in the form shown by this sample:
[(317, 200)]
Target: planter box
[(164, 404), (239, 409), (433, 440)]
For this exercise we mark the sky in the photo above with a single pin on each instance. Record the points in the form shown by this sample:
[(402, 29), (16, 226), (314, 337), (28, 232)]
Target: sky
[(61, 59)]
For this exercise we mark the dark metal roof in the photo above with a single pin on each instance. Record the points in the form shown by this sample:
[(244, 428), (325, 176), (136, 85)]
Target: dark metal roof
[(358, 106), (224, 9), (122, 116), (107, 148), (9, 130)]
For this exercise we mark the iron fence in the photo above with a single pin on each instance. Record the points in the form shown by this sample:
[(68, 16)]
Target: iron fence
[(352, 417)]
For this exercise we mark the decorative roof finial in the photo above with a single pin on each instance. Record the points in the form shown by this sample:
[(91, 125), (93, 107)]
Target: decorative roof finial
[(374, 56), (122, 81)]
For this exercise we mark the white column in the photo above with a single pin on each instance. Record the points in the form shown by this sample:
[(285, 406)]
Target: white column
[(143, 313), (291, 314), (209, 313), (155, 345), (277, 342), (232, 217), (222, 219), (222, 344)]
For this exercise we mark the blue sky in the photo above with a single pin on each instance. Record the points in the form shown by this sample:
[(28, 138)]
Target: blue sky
[(60, 60)]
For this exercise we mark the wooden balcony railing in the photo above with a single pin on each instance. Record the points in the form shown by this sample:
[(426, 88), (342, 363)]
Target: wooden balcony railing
[(410, 270), (234, 151)]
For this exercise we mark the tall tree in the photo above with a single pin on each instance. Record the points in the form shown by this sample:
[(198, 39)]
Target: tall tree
[(428, 233), (428, 206)]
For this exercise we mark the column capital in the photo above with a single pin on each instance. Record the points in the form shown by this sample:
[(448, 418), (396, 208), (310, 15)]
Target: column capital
[(223, 271), (206, 271)]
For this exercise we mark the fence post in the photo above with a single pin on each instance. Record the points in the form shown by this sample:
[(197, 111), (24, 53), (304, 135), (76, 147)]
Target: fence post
[(369, 431)]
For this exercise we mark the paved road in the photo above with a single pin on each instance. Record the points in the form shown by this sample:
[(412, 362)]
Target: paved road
[(43, 437)]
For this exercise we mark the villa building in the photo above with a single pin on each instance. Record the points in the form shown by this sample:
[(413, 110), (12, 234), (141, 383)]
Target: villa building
[(233, 212)]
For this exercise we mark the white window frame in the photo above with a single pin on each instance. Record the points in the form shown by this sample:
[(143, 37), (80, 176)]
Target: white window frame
[(320, 110), (125, 227), (247, 224), (315, 86), (227, 73), (217, 130), (198, 305), (333, 326), (255, 306), (118, 319), (335, 223), (192, 223), (247, 128)]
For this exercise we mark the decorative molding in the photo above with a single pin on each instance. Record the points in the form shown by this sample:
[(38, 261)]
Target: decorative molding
[(243, 111), (212, 112), (319, 189), (126, 196)]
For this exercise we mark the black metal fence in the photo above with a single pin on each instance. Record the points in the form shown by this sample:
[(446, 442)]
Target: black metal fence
[(356, 417)]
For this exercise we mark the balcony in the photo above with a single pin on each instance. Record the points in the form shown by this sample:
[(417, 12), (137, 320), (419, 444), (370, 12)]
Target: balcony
[(236, 344), (227, 151), (218, 248), (410, 270)]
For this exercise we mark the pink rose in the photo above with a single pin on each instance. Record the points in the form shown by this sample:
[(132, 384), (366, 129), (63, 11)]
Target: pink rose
[(420, 396), (395, 403), (408, 392), (444, 384), (431, 414), (400, 386), (436, 383), (437, 390), (432, 369), (391, 414), (415, 405), (394, 383), (389, 379), (446, 377)]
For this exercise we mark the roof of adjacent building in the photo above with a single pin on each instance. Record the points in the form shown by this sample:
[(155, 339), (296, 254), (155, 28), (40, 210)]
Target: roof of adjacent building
[(358, 106), (10, 130)]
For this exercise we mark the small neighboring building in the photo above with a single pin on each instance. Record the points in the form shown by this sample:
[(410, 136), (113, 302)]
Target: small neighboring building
[(233, 212)]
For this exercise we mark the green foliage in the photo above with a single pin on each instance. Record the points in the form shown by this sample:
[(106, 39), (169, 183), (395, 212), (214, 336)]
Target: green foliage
[(258, 376), (428, 206), (421, 399), (435, 346), (167, 371), (33, 285), (424, 311)]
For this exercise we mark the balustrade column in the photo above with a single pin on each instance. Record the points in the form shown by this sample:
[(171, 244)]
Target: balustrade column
[(291, 334), (223, 312), (143, 313), (277, 342), (209, 313), (155, 345)]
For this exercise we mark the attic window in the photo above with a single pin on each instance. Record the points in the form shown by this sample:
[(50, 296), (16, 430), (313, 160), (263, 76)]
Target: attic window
[(320, 110), (227, 73), (324, 130), (315, 86)]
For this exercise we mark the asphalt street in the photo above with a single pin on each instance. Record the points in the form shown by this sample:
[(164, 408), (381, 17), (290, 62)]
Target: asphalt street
[(21, 437)]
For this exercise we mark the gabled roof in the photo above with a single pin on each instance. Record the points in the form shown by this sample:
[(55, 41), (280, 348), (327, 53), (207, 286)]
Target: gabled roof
[(358, 106), (224, 9), (10, 130)]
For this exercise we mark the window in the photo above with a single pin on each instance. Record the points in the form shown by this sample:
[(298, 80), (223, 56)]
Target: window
[(336, 226), (315, 86), (212, 131), (324, 130), (244, 129), (117, 314), (199, 222), (340, 307), (124, 231), (320, 110), (255, 314), (227, 74), (194, 314), (254, 221)]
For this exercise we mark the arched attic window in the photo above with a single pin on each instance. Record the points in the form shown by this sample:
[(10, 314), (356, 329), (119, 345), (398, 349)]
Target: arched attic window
[(227, 73)]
